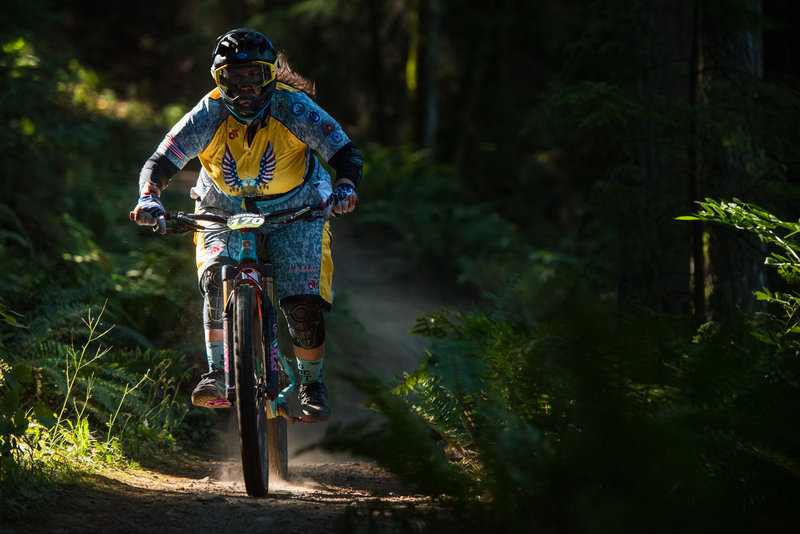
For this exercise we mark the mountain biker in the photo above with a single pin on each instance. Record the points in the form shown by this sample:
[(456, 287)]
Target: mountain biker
[(254, 135)]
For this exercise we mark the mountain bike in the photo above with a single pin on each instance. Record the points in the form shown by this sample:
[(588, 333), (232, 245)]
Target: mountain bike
[(260, 378)]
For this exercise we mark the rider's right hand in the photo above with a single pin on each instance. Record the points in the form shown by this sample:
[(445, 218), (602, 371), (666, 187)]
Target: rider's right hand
[(149, 211)]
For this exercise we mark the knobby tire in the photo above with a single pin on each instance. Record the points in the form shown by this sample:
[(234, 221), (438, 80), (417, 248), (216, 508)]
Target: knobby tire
[(277, 429), (248, 349)]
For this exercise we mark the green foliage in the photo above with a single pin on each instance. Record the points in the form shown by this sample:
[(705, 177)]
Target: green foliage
[(74, 149), (784, 256), (632, 139), (67, 410), (147, 383), (435, 222), (13, 419), (583, 418)]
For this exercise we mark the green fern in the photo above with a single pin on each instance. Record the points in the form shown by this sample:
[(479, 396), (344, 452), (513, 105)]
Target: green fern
[(783, 237)]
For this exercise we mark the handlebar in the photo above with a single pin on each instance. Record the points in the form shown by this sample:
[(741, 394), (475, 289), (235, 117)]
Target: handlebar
[(182, 222)]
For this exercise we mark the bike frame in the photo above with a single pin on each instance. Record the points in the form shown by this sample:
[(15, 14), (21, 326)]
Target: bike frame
[(249, 271)]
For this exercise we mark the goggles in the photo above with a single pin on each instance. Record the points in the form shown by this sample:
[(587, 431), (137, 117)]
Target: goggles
[(255, 74)]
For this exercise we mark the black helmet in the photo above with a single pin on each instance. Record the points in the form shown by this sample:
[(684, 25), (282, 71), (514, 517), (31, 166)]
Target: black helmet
[(243, 67)]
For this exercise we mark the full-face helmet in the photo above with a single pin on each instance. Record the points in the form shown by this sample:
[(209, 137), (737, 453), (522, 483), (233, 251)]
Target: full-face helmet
[(243, 67)]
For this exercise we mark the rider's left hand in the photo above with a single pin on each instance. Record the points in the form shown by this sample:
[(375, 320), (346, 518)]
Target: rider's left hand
[(343, 199)]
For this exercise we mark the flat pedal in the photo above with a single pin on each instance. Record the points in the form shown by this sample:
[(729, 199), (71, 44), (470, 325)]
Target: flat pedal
[(218, 403)]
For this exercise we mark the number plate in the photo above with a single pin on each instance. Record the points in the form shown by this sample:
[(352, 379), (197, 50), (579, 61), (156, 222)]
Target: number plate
[(245, 220)]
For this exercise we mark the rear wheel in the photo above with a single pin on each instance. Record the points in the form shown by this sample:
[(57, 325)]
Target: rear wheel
[(277, 430), (278, 448), (248, 352)]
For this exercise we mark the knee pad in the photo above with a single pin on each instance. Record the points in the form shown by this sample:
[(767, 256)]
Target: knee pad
[(213, 305), (306, 322)]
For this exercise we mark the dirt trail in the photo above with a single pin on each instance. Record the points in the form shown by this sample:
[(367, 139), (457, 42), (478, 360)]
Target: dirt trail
[(207, 494), (319, 498)]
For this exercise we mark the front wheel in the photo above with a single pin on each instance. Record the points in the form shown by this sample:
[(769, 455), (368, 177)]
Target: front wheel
[(248, 353)]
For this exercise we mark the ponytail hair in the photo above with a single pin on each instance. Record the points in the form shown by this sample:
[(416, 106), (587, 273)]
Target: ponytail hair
[(285, 75)]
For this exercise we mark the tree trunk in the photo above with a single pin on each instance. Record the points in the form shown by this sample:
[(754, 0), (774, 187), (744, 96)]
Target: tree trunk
[(376, 69), (412, 75), (434, 28), (697, 265), (732, 64), (653, 267)]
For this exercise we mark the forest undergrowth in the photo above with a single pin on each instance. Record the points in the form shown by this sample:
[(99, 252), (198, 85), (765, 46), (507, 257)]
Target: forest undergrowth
[(552, 409)]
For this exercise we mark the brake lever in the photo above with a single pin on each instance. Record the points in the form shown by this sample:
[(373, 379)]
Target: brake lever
[(181, 225), (314, 213)]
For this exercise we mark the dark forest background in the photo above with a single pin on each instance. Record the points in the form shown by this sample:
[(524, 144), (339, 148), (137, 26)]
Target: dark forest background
[(533, 155)]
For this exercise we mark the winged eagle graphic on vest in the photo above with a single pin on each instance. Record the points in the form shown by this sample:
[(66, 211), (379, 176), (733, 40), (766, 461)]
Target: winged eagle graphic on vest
[(248, 186)]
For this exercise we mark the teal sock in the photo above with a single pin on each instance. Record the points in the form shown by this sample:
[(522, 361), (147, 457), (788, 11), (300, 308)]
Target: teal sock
[(309, 371), (215, 353)]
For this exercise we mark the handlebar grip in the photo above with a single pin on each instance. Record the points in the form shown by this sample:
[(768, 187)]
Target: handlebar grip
[(132, 215)]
